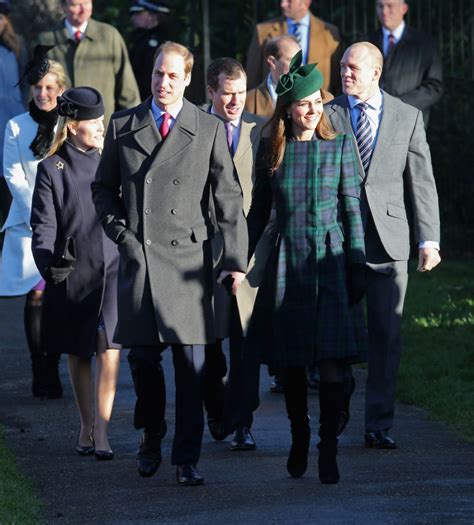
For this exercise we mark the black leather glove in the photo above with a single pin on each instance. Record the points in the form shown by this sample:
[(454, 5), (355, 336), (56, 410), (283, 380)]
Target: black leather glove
[(227, 283), (357, 283), (61, 269)]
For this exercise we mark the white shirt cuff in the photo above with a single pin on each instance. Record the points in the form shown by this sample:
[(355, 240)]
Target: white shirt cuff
[(429, 244)]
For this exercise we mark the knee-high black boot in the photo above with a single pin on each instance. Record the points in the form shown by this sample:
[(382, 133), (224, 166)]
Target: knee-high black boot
[(331, 399), (54, 388), (295, 390), (32, 319)]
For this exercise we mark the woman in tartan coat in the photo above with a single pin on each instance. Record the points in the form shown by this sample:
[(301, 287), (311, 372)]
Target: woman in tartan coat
[(306, 311)]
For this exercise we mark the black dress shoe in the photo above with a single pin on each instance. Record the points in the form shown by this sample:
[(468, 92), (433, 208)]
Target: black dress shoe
[(379, 439), (149, 455), (188, 474), (344, 414), (104, 455), (218, 429), (242, 440)]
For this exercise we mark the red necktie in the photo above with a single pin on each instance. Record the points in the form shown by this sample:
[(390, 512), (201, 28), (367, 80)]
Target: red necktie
[(165, 125), (78, 36)]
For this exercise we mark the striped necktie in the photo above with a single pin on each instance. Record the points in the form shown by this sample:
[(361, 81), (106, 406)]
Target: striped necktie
[(364, 136), (297, 32)]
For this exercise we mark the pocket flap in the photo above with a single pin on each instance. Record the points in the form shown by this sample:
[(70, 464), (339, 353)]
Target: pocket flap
[(202, 232), (396, 210)]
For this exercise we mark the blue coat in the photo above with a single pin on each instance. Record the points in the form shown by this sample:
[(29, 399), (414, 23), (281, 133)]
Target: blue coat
[(62, 207)]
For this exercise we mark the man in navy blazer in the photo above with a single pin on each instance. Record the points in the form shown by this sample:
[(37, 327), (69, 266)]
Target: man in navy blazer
[(412, 68)]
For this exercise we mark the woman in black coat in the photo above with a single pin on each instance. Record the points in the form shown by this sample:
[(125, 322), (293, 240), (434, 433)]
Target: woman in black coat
[(79, 264)]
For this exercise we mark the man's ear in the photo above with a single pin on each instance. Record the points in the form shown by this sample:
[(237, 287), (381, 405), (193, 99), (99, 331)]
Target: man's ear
[(271, 61), (210, 93), (187, 80), (405, 9)]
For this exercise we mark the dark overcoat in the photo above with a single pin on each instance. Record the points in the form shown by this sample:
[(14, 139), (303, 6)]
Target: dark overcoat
[(302, 313), (62, 207), (153, 200)]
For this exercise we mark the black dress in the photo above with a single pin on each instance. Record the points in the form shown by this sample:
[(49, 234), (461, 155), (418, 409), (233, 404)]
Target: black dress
[(62, 207)]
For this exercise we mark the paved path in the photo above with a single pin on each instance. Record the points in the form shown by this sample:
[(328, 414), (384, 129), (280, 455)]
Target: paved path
[(428, 480)]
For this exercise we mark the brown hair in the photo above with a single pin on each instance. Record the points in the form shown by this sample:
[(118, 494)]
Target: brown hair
[(231, 68), (273, 45), (174, 47), (281, 131), (10, 38)]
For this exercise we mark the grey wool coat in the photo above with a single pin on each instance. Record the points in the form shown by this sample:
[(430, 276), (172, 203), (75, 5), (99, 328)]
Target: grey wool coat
[(152, 198)]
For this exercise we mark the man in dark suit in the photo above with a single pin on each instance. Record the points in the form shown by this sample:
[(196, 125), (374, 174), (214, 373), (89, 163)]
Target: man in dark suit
[(320, 42), (163, 162), (227, 87), (412, 68), (394, 167)]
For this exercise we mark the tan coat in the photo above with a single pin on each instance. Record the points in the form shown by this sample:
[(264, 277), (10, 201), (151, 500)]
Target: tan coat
[(324, 48), (244, 161), (100, 61)]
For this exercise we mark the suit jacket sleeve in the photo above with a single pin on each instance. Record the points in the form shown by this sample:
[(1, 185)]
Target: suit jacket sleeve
[(14, 173), (349, 196), (262, 198), (43, 222), (431, 87), (126, 88), (228, 204), (421, 185), (106, 189)]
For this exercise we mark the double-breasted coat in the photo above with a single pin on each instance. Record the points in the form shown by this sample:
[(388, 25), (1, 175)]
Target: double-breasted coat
[(302, 312), (18, 272), (62, 207), (153, 200)]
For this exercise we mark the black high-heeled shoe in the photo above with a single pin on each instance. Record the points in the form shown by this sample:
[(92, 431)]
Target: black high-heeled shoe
[(104, 455)]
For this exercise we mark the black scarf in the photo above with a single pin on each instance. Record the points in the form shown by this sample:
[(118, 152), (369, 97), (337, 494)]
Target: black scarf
[(46, 121)]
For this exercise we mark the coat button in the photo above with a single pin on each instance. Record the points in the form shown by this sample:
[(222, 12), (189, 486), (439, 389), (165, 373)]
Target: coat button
[(174, 242), (147, 211), (176, 182), (148, 242), (149, 180), (174, 211)]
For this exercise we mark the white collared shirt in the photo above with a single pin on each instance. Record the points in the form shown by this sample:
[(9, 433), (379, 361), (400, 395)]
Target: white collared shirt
[(158, 113), (304, 32), (397, 33), (71, 30), (235, 126), (272, 88)]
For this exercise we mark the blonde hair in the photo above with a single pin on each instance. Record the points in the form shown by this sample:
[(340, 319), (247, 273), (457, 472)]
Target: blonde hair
[(61, 135), (281, 131), (174, 47)]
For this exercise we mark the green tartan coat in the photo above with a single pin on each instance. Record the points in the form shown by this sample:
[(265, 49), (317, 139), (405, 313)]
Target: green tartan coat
[(302, 312)]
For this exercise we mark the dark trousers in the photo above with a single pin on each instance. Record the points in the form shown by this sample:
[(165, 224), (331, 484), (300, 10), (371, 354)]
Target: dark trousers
[(240, 398), (149, 383), (385, 298)]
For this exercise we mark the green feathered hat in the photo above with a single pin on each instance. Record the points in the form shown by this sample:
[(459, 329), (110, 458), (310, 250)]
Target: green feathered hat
[(300, 81)]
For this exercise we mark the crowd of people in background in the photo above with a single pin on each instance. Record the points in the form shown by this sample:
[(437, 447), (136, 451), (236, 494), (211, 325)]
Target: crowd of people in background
[(135, 219)]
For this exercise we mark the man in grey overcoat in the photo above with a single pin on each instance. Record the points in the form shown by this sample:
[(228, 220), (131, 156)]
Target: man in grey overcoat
[(397, 180), (162, 163)]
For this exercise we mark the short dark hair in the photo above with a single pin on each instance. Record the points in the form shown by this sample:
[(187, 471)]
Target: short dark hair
[(231, 68)]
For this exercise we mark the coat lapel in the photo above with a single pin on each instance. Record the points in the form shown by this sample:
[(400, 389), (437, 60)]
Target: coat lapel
[(388, 128), (181, 135), (145, 132)]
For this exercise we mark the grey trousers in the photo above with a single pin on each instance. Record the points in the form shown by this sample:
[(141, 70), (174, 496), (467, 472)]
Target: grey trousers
[(386, 290)]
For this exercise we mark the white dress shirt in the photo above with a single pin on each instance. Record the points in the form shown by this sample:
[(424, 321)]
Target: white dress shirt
[(71, 30), (304, 32), (271, 88)]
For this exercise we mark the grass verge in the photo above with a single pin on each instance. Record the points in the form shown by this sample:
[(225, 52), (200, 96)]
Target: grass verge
[(437, 368), (18, 503)]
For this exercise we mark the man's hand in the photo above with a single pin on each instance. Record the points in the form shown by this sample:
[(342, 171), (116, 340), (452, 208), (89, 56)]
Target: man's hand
[(235, 277), (428, 258)]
